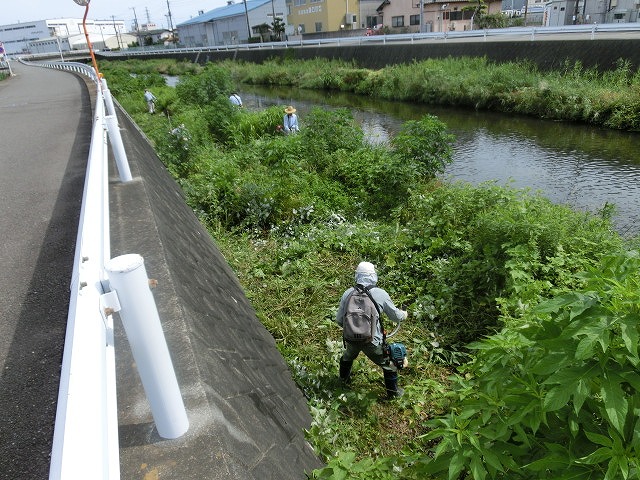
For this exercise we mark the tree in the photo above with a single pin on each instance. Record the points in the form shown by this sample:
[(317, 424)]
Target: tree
[(278, 29), (478, 7)]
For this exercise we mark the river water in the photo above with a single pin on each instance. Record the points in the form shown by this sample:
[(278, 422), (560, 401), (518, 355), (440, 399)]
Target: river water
[(582, 166)]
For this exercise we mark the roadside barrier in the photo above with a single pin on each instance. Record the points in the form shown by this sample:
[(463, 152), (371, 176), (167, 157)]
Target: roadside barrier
[(85, 441), (590, 31)]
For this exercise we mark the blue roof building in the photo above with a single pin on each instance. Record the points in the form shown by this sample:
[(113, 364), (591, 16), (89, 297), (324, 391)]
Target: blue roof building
[(230, 25)]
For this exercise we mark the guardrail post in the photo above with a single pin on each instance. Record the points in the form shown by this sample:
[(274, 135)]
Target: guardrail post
[(118, 148), (139, 315), (108, 99)]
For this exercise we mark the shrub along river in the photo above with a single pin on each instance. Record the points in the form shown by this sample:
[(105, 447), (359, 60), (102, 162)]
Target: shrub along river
[(585, 167)]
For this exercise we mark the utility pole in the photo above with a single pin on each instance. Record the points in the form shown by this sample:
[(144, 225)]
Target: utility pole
[(113, 19), (137, 26), (246, 13), (173, 37)]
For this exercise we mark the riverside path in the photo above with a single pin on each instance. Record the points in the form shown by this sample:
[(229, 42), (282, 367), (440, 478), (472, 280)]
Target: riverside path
[(246, 415), (45, 131)]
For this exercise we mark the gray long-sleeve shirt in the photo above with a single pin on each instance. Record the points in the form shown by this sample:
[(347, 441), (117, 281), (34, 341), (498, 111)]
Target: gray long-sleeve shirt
[(381, 297)]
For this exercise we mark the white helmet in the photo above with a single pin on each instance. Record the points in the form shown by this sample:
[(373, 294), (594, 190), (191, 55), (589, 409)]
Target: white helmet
[(366, 274), (366, 267)]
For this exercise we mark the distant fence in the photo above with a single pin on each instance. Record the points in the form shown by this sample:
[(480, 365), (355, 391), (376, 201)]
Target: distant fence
[(587, 31)]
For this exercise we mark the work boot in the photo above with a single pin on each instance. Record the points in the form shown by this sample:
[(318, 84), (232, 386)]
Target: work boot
[(391, 384), (345, 371)]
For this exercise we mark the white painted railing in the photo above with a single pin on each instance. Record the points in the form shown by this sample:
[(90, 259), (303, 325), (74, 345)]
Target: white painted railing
[(86, 429), (85, 441), (590, 31)]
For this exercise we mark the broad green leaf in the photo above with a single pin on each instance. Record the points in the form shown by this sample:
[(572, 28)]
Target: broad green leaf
[(586, 348), (624, 466), (599, 439), (600, 455), (570, 374), (615, 404), (492, 459), (550, 462), (580, 394), (456, 465), (574, 426), (605, 340), (549, 363), (557, 397), (632, 378), (629, 331), (436, 465), (477, 468), (561, 301), (612, 469)]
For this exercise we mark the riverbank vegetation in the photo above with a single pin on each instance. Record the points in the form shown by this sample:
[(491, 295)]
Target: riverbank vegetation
[(523, 329), (610, 99)]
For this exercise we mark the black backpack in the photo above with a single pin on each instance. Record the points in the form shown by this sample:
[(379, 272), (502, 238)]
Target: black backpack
[(361, 316)]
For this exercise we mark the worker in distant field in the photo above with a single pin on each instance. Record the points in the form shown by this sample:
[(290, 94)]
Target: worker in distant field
[(235, 99), (290, 120), (150, 98)]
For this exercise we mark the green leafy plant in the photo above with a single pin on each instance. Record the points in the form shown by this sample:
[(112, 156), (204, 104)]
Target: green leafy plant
[(555, 396)]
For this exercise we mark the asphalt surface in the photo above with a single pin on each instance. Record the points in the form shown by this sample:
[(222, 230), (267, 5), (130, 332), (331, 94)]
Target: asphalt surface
[(247, 417), (45, 129)]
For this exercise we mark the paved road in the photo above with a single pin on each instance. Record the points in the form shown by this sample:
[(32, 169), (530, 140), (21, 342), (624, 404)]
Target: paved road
[(45, 129)]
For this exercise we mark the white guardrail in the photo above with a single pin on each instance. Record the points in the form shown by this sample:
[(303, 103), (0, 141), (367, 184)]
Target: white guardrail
[(590, 31), (85, 441)]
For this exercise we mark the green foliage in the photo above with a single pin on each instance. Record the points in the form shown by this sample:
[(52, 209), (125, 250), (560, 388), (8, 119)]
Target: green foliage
[(552, 395), (206, 87), (609, 99), (278, 28), (496, 20), (426, 144), (557, 395), (483, 251)]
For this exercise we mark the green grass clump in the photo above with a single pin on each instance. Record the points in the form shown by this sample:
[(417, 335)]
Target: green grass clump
[(608, 99)]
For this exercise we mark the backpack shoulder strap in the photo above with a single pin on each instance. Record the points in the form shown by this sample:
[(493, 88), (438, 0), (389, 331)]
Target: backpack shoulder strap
[(367, 290)]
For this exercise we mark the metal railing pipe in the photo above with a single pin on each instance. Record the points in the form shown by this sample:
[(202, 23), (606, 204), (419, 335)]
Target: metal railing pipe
[(119, 153), (139, 315), (86, 429)]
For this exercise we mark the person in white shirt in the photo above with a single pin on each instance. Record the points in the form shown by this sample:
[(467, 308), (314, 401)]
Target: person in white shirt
[(235, 99), (290, 120), (151, 100)]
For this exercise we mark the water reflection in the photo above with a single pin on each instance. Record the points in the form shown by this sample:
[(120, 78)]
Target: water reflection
[(582, 166)]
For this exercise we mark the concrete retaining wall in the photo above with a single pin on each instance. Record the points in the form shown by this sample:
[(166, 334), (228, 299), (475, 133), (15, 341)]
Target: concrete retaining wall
[(247, 416), (548, 54)]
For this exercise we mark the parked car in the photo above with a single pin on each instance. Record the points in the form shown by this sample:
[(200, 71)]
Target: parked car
[(375, 30)]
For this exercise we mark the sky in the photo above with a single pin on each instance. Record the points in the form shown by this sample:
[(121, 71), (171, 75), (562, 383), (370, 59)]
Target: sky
[(18, 11)]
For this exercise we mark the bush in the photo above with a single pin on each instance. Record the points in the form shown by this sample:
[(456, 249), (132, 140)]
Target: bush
[(555, 396), (205, 87), (425, 145)]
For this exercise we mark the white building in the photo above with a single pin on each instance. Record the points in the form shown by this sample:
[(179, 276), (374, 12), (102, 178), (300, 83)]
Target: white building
[(17, 37), (230, 25), (571, 12)]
